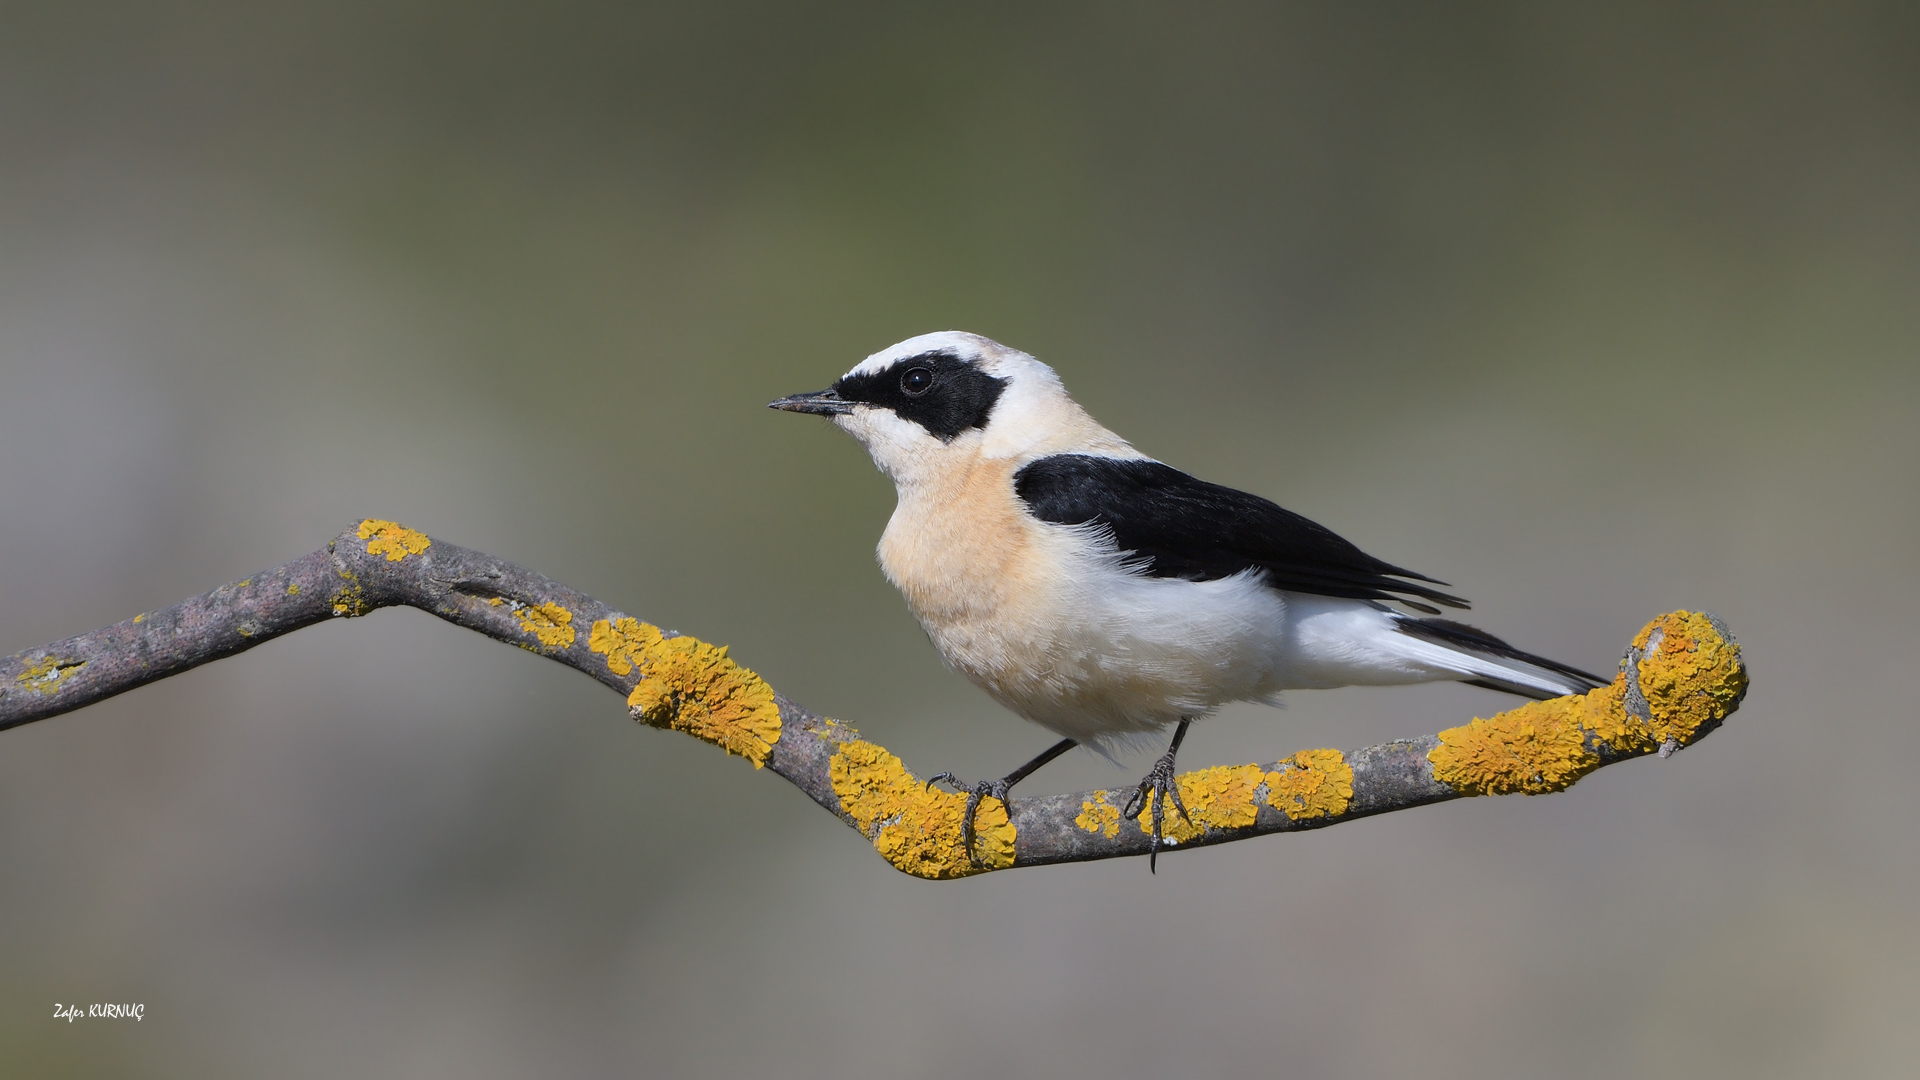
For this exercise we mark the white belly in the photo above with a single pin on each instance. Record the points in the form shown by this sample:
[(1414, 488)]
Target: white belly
[(1090, 651)]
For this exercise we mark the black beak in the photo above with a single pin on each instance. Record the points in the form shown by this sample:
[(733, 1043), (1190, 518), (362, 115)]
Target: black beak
[(821, 402)]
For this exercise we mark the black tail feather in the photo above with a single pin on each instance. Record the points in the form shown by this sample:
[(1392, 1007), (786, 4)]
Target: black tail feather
[(1473, 639)]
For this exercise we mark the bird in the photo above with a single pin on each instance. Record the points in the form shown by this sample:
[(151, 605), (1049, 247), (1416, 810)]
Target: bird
[(1107, 596)]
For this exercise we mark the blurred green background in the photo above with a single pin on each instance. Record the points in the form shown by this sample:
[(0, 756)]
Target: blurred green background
[(1595, 312)]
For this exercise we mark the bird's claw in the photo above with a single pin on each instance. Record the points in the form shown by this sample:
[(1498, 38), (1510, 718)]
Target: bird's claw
[(1159, 780), (975, 792)]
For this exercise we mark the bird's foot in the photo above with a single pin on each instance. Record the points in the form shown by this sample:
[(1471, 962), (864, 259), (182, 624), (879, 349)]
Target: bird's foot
[(976, 792), (998, 789), (1159, 781)]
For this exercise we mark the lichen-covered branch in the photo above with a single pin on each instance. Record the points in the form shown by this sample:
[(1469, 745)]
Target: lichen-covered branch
[(1681, 678)]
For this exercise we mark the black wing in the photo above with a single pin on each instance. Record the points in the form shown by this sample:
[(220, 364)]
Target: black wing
[(1182, 527)]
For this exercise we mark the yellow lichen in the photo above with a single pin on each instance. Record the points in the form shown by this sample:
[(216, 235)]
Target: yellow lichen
[(691, 686), (1311, 784), (1226, 797), (1536, 748), (38, 672), (1097, 815), (496, 601), (350, 600), (293, 589), (624, 641), (392, 539), (1603, 713), (140, 618), (1692, 678), (1689, 674), (548, 622), (45, 675), (916, 830)]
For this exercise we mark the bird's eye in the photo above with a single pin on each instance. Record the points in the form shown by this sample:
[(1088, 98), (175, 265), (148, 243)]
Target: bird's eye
[(916, 381)]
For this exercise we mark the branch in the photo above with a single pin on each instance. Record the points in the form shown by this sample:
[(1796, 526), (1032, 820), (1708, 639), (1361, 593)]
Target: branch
[(1681, 677)]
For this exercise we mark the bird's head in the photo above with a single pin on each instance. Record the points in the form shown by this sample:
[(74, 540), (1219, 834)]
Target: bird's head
[(939, 402)]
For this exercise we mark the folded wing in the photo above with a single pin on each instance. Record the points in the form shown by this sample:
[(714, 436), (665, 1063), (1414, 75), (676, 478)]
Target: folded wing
[(1175, 525)]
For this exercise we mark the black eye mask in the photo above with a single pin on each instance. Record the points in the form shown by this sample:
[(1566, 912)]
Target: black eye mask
[(960, 395)]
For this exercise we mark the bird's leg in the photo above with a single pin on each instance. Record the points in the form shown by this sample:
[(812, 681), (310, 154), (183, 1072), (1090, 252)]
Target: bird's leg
[(1159, 780), (996, 788)]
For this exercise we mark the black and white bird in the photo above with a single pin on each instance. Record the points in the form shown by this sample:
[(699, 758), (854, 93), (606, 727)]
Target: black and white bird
[(1104, 595)]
